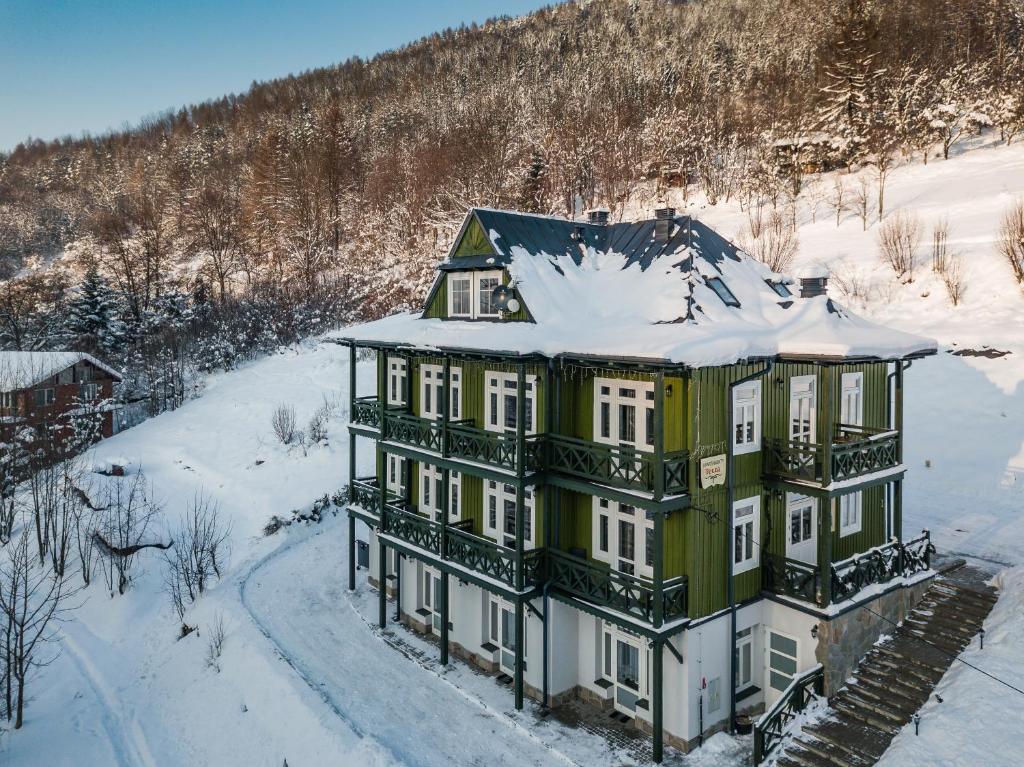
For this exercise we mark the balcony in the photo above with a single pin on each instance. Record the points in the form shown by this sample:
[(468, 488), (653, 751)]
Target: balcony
[(857, 451), (624, 467), (603, 586), (366, 412), (365, 493), (849, 577)]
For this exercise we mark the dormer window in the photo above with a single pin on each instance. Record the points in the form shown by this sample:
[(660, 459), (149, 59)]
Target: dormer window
[(780, 288), (469, 294), (723, 292)]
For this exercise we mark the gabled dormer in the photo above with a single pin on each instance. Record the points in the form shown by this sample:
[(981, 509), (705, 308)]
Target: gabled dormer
[(465, 285)]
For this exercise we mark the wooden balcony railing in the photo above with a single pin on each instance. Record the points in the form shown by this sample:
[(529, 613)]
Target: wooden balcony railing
[(413, 528), (424, 433), (482, 555), (470, 443), (624, 467), (856, 451), (791, 578), (366, 412), (610, 588), (881, 565), (777, 720)]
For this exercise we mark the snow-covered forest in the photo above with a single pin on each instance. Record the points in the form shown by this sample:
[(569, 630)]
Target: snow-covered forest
[(219, 231)]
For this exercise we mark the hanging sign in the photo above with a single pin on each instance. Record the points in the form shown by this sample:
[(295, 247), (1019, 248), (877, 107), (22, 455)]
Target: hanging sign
[(712, 471)]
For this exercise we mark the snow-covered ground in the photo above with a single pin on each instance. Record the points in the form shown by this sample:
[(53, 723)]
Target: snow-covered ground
[(306, 677)]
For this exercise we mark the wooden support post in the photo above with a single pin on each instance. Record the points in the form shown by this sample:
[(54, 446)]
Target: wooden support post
[(398, 587), (659, 435), (520, 490), (382, 580), (444, 618), (659, 569), (897, 509), (351, 552), (825, 524), (657, 701), (517, 681)]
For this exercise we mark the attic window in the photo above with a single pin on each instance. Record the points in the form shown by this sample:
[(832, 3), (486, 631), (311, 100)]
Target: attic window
[(780, 288), (717, 285)]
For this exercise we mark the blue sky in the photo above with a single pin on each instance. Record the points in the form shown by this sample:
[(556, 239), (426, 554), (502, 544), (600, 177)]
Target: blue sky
[(91, 65)]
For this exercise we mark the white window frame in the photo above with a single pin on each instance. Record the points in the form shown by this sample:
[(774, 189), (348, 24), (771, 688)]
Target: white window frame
[(397, 474), (611, 635), (432, 388), (608, 516), (476, 282), (608, 393), (749, 528), (429, 585), (431, 478), (496, 389), (746, 410), (745, 645), (496, 494), (852, 395), (851, 513), (397, 376)]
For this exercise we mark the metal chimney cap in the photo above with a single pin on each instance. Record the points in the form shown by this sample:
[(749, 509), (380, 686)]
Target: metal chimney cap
[(598, 216), (666, 212), (814, 285)]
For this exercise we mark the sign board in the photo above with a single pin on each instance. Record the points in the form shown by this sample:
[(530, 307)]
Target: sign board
[(712, 471)]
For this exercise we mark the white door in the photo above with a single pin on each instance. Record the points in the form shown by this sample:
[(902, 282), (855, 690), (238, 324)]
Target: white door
[(802, 528), (503, 633), (802, 409), (625, 666), (851, 408), (432, 597), (783, 664)]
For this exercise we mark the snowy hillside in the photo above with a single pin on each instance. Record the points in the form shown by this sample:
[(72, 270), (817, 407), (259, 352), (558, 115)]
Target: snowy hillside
[(302, 666)]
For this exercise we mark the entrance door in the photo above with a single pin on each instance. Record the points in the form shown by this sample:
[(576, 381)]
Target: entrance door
[(851, 409), (801, 409), (802, 526), (625, 666), (432, 597), (782, 664), (503, 634)]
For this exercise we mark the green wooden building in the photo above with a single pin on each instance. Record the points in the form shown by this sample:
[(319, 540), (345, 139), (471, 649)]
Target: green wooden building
[(626, 463)]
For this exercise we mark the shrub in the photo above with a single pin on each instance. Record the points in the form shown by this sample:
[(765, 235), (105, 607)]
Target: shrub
[(1011, 240), (898, 241), (283, 422)]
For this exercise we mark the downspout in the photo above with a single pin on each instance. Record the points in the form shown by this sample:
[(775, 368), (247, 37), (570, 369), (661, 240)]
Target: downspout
[(730, 446), (890, 418)]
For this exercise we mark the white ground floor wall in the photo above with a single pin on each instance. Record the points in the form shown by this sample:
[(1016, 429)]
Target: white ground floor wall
[(579, 664)]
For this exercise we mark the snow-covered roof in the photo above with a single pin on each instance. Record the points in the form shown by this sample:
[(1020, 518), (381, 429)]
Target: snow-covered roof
[(19, 370), (618, 291)]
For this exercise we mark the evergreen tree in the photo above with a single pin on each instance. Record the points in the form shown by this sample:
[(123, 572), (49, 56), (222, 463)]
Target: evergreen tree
[(94, 315), (848, 97)]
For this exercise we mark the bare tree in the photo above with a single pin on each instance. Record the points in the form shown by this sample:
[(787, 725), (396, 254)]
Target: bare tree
[(940, 245), (32, 599), (130, 510), (777, 244), (862, 200), (1011, 239), (199, 555), (215, 648), (898, 241), (952, 278), (837, 200), (283, 422)]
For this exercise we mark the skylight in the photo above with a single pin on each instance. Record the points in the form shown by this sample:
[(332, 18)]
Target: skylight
[(780, 288), (717, 285)]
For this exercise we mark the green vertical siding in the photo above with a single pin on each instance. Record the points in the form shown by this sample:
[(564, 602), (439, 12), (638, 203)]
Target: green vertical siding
[(437, 306), (474, 241)]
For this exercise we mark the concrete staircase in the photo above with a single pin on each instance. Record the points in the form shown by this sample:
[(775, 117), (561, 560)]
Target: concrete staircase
[(895, 679)]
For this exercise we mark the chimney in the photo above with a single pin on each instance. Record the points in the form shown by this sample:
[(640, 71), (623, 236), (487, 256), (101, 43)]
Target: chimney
[(663, 223), (814, 284), (598, 216)]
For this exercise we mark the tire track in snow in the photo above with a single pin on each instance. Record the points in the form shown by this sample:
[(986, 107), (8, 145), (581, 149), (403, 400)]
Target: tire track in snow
[(401, 756), (126, 738)]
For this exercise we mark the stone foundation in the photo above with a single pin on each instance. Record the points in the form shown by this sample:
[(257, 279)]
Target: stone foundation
[(845, 639)]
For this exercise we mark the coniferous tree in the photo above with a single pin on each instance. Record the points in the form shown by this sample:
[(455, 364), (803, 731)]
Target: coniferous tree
[(94, 315)]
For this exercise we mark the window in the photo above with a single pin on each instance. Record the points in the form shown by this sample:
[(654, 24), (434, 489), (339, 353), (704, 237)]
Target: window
[(624, 413), (431, 485), (432, 391), (89, 391), (780, 289), (624, 538), (396, 381), (851, 406), (500, 403), (782, 660), (801, 408), (500, 517), (746, 408), (744, 659), (430, 597), (723, 292), (461, 288), (45, 397), (624, 663), (850, 508), (7, 399), (746, 527), (398, 474), (469, 294)]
